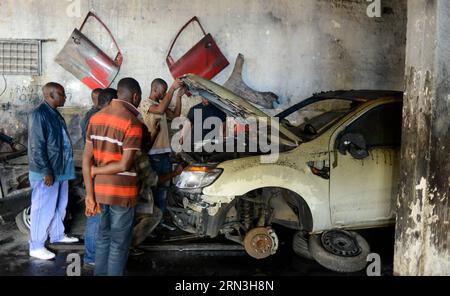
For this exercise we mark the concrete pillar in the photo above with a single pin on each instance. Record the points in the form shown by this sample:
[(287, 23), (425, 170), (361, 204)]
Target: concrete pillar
[(422, 230)]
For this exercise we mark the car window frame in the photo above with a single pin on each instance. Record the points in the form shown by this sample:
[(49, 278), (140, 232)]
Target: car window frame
[(367, 113), (341, 126)]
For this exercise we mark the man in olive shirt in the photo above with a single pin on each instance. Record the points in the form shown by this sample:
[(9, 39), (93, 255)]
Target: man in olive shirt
[(155, 111)]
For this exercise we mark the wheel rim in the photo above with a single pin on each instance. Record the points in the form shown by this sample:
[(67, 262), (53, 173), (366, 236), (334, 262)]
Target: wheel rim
[(341, 243), (26, 216)]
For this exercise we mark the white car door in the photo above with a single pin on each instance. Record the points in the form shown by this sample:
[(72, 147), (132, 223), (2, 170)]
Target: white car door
[(363, 191)]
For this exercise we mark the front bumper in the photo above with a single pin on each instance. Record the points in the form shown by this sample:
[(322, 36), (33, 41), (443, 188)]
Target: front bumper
[(198, 213)]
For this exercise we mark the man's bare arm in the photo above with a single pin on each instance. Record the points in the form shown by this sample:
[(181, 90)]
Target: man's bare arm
[(164, 178), (177, 111), (113, 168), (87, 177)]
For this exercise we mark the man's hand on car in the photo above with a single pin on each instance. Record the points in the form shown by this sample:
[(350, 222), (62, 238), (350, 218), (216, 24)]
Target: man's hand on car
[(181, 91), (177, 84)]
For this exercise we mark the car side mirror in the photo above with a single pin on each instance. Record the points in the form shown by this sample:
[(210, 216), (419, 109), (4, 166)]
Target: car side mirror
[(353, 143)]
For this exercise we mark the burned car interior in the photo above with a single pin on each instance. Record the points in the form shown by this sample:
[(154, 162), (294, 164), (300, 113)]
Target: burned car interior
[(339, 104)]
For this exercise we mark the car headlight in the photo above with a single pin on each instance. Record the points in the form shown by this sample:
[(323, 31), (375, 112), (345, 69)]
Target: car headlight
[(197, 177)]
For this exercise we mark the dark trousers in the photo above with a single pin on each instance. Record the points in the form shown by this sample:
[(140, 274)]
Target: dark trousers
[(113, 240), (162, 166)]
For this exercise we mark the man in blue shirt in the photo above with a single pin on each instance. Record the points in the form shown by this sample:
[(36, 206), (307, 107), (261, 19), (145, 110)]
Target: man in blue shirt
[(101, 100), (51, 167), (96, 106)]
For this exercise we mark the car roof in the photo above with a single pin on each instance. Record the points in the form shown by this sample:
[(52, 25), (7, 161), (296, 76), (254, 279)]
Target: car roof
[(350, 95), (359, 95)]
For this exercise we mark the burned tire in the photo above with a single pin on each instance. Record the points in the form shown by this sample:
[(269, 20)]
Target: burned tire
[(300, 245), (340, 250), (14, 203), (23, 221)]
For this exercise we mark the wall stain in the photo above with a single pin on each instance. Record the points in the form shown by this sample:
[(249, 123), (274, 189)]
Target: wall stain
[(273, 18)]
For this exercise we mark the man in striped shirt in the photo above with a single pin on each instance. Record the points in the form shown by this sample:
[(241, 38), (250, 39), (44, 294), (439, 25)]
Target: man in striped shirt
[(113, 137)]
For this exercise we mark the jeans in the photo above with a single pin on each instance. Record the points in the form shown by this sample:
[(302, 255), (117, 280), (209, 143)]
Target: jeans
[(48, 209), (113, 240), (90, 235), (162, 166)]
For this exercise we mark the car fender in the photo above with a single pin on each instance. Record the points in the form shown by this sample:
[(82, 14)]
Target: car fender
[(243, 175)]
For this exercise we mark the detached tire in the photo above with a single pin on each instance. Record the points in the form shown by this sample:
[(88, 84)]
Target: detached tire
[(340, 250), (300, 245), (23, 221)]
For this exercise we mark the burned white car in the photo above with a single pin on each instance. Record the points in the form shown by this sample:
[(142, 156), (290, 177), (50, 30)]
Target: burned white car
[(336, 172)]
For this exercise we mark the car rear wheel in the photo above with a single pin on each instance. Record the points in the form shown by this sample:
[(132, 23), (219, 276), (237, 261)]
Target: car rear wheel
[(23, 220), (340, 250)]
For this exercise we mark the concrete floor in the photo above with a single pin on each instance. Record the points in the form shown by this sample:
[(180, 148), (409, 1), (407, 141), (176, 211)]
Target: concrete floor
[(14, 259)]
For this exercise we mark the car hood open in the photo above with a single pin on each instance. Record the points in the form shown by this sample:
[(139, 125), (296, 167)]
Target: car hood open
[(232, 104)]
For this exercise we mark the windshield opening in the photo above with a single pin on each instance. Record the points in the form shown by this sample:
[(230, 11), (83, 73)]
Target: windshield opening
[(314, 119)]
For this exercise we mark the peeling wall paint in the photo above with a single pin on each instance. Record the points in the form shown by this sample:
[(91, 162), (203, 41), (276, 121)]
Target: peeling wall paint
[(293, 48), (423, 257), (422, 231)]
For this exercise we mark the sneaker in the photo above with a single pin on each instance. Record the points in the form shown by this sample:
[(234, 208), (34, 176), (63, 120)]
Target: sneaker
[(89, 265), (42, 254), (68, 240), (168, 226)]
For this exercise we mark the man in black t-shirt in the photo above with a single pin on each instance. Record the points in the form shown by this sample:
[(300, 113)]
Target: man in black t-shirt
[(207, 110)]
